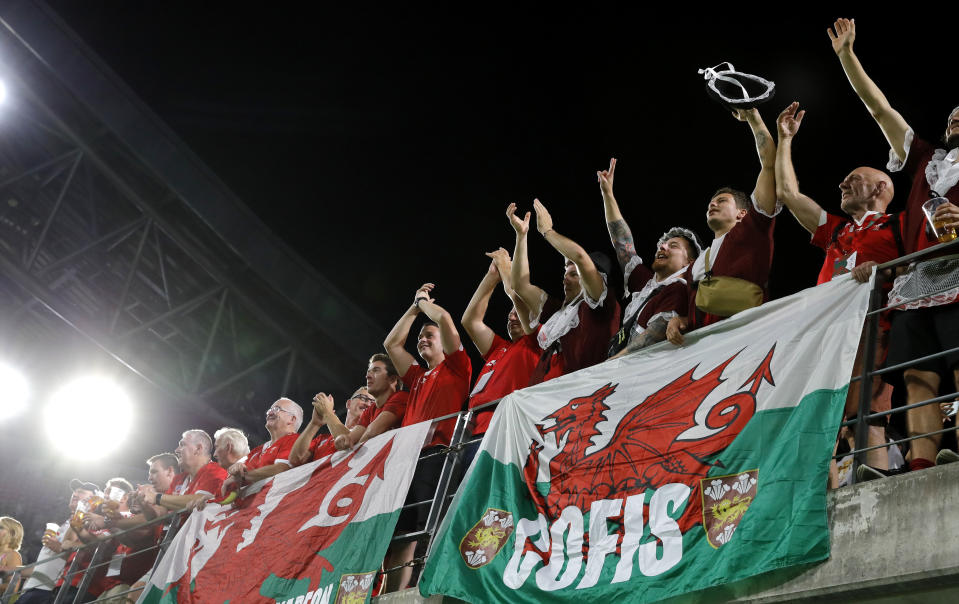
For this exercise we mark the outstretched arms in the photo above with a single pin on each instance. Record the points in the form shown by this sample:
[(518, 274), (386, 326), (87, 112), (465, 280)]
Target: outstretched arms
[(619, 232), (396, 340), (449, 337), (589, 276), (892, 124), (504, 266), (765, 190), (806, 211)]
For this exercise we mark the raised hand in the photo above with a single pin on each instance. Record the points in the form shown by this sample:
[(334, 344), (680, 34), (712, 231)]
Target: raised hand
[(605, 178), (544, 222), (424, 292), (322, 405), (844, 36), (744, 115), (501, 262), (789, 120), (520, 226)]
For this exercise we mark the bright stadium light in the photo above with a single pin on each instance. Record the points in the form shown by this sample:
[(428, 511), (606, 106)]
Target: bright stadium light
[(3, 91), (13, 392), (88, 418)]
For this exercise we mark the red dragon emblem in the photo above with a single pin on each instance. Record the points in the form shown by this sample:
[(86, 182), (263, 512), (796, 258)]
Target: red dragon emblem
[(236, 575), (660, 441)]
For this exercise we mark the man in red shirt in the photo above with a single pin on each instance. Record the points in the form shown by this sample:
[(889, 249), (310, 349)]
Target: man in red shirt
[(577, 335), (199, 479), (509, 363), (854, 245), (927, 292), (311, 445), (438, 390), (283, 420)]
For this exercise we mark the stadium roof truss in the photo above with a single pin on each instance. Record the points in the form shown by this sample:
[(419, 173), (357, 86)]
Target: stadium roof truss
[(110, 227)]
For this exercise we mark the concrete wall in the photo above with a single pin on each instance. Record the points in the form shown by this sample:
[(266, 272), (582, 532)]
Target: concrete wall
[(894, 540)]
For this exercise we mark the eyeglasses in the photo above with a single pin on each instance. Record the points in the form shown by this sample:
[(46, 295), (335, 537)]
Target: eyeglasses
[(276, 408), (365, 398)]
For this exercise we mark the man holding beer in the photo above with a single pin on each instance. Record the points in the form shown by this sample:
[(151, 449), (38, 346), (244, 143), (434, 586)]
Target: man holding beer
[(928, 291)]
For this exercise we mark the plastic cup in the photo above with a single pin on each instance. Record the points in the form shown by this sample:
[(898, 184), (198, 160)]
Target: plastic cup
[(943, 234)]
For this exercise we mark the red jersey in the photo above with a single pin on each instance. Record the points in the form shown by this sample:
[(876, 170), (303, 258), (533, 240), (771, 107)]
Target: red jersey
[(847, 244), (207, 481), (437, 392), (321, 446), (271, 452), (508, 367), (396, 405)]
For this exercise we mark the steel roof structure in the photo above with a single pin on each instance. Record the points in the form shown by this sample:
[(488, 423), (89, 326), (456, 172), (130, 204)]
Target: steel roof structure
[(112, 229)]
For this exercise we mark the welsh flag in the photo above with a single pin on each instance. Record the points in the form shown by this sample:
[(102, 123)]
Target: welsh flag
[(670, 471), (313, 534)]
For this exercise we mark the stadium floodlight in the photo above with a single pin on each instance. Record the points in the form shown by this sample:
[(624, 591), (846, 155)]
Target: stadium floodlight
[(13, 392), (3, 91), (88, 418)]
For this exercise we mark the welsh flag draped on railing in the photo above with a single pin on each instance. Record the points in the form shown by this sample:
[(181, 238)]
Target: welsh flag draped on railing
[(667, 472), (317, 533)]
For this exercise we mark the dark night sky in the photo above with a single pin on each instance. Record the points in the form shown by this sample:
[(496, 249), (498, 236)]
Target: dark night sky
[(384, 148)]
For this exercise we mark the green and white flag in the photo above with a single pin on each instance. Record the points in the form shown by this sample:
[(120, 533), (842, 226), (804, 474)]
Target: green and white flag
[(669, 471), (314, 534)]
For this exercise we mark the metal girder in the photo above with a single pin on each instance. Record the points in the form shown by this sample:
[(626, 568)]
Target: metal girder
[(102, 341)]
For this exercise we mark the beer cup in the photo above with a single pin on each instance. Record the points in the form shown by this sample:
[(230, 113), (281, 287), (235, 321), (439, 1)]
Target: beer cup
[(943, 234)]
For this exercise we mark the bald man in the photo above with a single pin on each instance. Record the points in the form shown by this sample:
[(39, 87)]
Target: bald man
[(855, 244)]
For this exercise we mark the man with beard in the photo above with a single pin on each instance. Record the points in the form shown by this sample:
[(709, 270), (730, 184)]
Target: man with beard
[(855, 244), (577, 335), (508, 363), (733, 272), (657, 293), (283, 420), (931, 322)]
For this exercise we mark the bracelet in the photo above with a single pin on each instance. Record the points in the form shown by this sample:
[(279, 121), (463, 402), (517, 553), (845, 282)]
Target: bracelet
[(417, 301), (547, 231), (156, 498)]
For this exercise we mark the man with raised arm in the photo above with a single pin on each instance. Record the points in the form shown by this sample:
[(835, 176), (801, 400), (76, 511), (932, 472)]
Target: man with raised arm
[(932, 323), (733, 272), (656, 293), (855, 244), (283, 420), (438, 390), (508, 363), (577, 335)]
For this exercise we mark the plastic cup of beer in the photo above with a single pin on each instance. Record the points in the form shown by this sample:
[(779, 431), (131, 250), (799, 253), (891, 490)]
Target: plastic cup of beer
[(943, 233), (52, 529)]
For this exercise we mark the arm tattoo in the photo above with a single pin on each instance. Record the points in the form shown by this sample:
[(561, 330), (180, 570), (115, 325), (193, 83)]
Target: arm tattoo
[(622, 239), (655, 332)]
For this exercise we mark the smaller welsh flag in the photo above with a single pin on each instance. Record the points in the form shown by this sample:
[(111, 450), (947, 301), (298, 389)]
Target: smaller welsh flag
[(313, 534)]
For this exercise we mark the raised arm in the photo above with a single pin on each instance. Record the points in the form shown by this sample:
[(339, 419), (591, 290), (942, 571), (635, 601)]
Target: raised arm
[(531, 295), (449, 337), (504, 266), (806, 211), (589, 275), (892, 124), (475, 313), (396, 341), (765, 190), (619, 232)]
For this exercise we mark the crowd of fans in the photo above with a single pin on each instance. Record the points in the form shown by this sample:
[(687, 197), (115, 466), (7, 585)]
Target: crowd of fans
[(688, 284)]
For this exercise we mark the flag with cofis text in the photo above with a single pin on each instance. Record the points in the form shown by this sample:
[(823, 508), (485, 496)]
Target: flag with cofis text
[(314, 534), (667, 472)]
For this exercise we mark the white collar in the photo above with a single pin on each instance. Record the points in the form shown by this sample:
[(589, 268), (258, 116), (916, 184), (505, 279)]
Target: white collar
[(864, 217)]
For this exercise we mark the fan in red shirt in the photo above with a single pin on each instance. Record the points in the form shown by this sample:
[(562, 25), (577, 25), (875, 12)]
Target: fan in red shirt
[(439, 390), (199, 479), (283, 420), (509, 363), (311, 445)]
